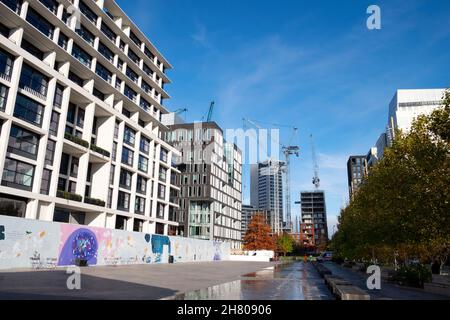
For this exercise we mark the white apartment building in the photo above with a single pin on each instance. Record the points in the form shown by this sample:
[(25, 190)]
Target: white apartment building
[(407, 105), (81, 94)]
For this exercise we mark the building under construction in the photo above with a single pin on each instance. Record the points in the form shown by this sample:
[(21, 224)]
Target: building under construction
[(267, 190), (314, 229)]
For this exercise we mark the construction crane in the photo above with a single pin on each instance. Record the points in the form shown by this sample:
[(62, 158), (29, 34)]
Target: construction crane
[(316, 179), (288, 151), (180, 111), (210, 112)]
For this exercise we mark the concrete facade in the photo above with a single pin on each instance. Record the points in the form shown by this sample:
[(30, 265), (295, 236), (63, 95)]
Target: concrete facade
[(266, 179), (82, 93), (248, 212), (314, 227), (356, 171), (210, 183)]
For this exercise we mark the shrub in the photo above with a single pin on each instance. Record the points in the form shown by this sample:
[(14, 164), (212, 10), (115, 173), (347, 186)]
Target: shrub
[(413, 275)]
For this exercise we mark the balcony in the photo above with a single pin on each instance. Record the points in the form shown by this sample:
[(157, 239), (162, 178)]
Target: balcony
[(101, 151), (76, 140), (14, 5), (95, 202), (69, 196)]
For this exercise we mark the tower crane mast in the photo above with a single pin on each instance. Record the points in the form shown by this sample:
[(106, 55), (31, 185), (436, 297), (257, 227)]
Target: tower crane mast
[(316, 179)]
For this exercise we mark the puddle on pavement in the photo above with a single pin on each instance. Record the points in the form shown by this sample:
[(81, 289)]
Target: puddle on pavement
[(295, 281)]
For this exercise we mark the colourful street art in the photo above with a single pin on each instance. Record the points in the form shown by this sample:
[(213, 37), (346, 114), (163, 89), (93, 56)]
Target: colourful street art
[(82, 244), (37, 244)]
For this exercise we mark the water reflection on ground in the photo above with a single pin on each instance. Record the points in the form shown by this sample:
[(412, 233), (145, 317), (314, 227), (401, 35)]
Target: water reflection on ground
[(294, 281)]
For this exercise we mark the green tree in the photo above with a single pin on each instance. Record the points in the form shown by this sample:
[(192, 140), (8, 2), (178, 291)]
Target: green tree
[(285, 244), (402, 209)]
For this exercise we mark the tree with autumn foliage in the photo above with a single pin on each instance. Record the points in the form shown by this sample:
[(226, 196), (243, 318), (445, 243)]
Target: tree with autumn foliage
[(258, 236)]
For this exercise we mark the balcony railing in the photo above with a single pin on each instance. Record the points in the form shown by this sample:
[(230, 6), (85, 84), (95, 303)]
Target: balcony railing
[(101, 151), (77, 140), (69, 196), (14, 5), (95, 202)]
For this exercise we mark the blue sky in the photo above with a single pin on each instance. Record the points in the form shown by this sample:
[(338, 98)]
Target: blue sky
[(310, 64)]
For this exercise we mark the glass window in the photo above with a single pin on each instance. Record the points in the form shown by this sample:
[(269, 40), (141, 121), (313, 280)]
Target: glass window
[(50, 152), (45, 181), (127, 156), (28, 110), (145, 145), (129, 136), (104, 50), (143, 164), (139, 205), (18, 174), (162, 174), (161, 191), (33, 81), (88, 12), (114, 152), (125, 179), (144, 104), (80, 118), (141, 185), (133, 56), (148, 71), (40, 23), (3, 96), (135, 39), (32, 49), (51, 5), (104, 73), (123, 202), (63, 41), (14, 5), (163, 155), (108, 32), (23, 142), (130, 93), (131, 74), (6, 61), (81, 55), (57, 101), (74, 167), (76, 79), (71, 113), (111, 174), (64, 168), (85, 34), (54, 124)]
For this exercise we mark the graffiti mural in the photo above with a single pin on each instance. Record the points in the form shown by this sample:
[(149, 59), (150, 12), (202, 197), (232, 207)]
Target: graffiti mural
[(37, 244), (159, 243), (82, 244)]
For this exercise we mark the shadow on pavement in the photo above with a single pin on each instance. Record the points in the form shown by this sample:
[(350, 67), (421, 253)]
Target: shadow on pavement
[(52, 285)]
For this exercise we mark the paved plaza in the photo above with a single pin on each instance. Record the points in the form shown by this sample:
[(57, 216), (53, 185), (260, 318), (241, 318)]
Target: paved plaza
[(212, 280)]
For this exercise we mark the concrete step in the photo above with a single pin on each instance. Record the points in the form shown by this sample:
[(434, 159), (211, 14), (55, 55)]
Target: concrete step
[(345, 292)]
